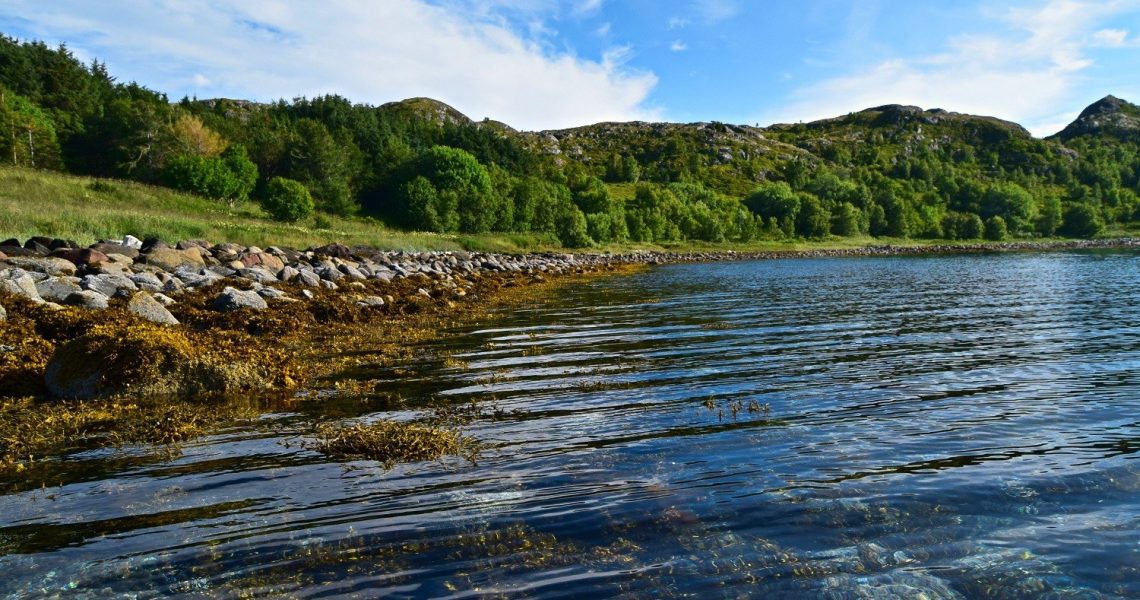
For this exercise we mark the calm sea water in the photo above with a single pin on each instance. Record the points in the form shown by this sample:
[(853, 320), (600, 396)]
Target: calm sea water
[(931, 427)]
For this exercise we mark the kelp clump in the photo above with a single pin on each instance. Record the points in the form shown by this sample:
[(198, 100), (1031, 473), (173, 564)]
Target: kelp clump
[(30, 429), (391, 442), (142, 359)]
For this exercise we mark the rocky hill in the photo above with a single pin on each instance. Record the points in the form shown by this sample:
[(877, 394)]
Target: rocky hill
[(1110, 116)]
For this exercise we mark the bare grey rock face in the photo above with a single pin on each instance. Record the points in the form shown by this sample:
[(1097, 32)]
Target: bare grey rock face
[(145, 306), (87, 299), (57, 289), (235, 299), (20, 283)]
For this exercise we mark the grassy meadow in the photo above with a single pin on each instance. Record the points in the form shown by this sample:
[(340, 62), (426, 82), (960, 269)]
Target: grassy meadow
[(84, 209)]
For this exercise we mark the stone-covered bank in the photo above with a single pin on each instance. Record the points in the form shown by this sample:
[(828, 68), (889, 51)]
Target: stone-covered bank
[(145, 318)]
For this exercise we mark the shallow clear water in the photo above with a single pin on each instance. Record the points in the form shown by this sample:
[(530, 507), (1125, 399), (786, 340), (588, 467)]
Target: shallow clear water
[(937, 427)]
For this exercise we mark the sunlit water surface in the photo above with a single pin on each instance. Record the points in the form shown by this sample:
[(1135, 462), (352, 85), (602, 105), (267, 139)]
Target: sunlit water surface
[(933, 427)]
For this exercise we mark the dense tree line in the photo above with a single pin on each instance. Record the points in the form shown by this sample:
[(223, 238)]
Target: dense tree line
[(873, 173)]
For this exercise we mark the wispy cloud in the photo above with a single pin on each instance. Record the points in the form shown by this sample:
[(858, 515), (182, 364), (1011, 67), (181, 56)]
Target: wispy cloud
[(678, 46), (677, 23), (1111, 38), (1022, 74), (588, 7), (714, 11), (367, 51)]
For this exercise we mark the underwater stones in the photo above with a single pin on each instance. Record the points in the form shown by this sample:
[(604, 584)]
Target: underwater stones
[(87, 299), (235, 299), (144, 305), (170, 259), (57, 289), (894, 586)]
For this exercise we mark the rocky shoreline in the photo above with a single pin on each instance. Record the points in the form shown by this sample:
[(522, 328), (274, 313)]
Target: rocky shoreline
[(177, 318), (150, 274)]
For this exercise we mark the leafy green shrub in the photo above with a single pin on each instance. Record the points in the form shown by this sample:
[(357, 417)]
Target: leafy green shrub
[(287, 200), (230, 176), (322, 222), (571, 228), (1083, 221), (996, 229)]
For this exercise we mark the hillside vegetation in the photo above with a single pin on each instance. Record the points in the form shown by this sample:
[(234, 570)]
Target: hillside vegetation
[(327, 166)]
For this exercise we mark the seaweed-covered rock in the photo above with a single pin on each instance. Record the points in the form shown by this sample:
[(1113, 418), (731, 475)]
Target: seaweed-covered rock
[(146, 360), (233, 299), (145, 306), (115, 359), (3, 314)]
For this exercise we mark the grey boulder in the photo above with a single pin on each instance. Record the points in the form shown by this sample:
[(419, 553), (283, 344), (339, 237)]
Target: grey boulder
[(86, 299), (234, 299), (145, 306)]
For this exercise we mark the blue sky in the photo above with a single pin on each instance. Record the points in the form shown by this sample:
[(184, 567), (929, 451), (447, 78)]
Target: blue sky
[(539, 64)]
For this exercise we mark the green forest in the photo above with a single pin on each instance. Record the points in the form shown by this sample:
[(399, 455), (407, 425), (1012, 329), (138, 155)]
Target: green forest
[(892, 171)]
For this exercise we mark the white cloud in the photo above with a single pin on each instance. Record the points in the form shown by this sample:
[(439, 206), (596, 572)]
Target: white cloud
[(715, 11), (588, 7), (371, 52), (200, 80), (1111, 38), (678, 46), (677, 23), (1023, 75), (603, 30)]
